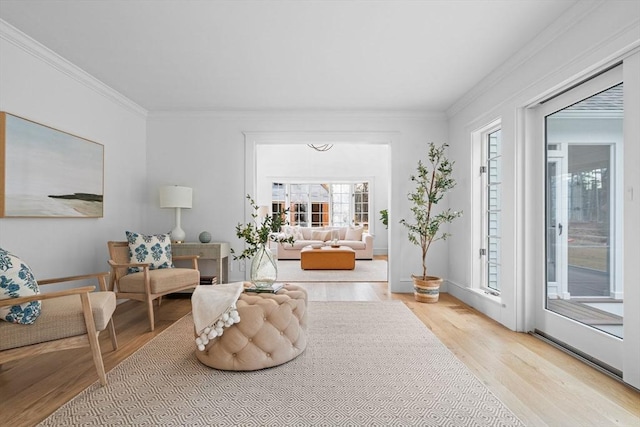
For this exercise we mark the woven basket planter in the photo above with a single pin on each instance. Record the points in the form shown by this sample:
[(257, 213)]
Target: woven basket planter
[(426, 290)]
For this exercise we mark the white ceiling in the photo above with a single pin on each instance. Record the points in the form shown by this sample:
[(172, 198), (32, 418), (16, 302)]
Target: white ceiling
[(255, 55)]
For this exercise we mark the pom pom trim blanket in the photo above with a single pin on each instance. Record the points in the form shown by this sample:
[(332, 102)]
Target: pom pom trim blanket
[(214, 308)]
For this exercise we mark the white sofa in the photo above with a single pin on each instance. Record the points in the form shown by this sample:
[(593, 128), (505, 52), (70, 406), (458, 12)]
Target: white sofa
[(354, 237)]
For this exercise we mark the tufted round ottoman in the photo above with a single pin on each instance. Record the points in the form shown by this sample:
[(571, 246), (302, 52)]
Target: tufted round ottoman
[(272, 331)]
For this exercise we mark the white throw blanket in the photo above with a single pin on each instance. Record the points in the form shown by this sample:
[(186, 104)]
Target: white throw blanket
[(214, 308)]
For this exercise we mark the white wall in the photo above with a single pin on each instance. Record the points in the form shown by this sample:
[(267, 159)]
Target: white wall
[(345, 162), (38, 85), (208, 151), (590, 34), (203, 150)]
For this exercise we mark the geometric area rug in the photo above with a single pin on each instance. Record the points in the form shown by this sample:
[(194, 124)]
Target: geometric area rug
[(366, 363)]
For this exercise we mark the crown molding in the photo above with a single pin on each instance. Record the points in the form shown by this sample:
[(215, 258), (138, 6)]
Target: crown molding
[(302, 114), (320, 137), (559, 27), (46, 55)]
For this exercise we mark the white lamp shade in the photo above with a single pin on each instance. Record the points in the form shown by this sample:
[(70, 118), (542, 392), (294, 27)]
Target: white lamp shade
[(174, 196)]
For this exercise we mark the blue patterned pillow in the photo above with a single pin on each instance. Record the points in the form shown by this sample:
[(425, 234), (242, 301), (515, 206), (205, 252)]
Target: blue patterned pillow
[(154, 250), (16, 280)]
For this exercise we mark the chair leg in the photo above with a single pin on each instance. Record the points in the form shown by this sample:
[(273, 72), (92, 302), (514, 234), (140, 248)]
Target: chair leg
[(92, 335), (150, 312), (112, 334), (97, 357)]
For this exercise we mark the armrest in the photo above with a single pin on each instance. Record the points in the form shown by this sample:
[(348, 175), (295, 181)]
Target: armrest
[(74, 278), (101, 277), (21, 300), (367, 239), (127, 265), (193, 258)]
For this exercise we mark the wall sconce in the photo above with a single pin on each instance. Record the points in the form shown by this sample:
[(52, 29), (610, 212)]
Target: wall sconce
[(177, 197)]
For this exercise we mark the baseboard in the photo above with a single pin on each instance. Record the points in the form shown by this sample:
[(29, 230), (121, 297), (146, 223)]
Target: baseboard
[(485, 303)]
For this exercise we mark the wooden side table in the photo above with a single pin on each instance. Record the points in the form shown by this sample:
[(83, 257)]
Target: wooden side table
[(217, 251)]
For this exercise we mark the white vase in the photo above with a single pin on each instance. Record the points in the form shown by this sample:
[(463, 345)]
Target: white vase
[(264, 270)]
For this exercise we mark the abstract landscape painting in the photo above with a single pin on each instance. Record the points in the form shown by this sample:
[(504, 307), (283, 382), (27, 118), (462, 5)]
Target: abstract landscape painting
[(48, 173)]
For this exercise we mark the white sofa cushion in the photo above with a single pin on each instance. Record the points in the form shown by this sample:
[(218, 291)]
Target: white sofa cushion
[(293, 231), (353, 244), (354, 233), (299, 244), (322, 235), (307, 233), (342, 231)]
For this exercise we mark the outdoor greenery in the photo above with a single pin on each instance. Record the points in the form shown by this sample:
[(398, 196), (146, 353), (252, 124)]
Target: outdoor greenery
[(257, 234), (431, 184)]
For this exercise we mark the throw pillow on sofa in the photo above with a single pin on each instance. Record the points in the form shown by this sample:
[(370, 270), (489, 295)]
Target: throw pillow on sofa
[(342, 231), (291, 231), (354, 233), (297, 233), (322, 235), (17, 281)]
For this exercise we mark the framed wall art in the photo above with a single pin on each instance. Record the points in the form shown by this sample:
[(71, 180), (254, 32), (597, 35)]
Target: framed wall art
[(45, 172)]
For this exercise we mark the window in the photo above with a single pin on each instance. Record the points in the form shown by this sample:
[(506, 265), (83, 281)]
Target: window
[(341, 204), (361, 203), (492, 178), (278, 200), (487, 203), (320, 205), (319, 198), (298, 203)]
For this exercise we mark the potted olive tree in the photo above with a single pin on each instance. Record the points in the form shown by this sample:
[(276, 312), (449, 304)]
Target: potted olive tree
[(432, 181)]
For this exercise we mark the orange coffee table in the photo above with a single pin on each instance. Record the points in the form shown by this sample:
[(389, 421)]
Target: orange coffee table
[(328, 258)]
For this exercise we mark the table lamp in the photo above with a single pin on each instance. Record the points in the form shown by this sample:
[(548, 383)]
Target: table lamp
[(263, 212), (175, 196)]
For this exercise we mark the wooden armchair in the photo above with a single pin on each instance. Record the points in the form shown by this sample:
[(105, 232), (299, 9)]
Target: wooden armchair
[(148, 285), (69, 319)]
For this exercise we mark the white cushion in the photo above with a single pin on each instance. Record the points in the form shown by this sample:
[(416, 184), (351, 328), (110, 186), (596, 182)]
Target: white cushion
[(291, 231), (287, 230), (299, 244), (322, 235), (154, 250), (306, 232), (353, 244), (338, 232), (17, 281), (354, 233), (297, 233)]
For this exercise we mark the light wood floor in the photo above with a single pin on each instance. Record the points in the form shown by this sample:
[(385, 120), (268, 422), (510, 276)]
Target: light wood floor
[(540, 384)]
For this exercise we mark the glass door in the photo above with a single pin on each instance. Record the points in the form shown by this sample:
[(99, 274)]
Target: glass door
[(555, 224), (581, 299), (581, 238)]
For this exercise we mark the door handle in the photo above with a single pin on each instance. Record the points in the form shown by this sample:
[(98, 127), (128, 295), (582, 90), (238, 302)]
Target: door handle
[(559, 229)]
